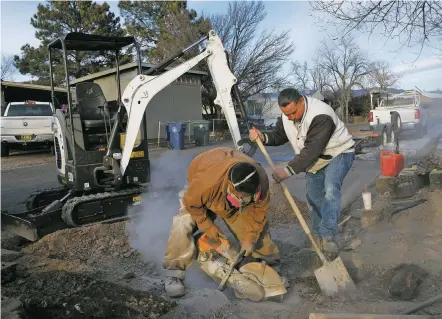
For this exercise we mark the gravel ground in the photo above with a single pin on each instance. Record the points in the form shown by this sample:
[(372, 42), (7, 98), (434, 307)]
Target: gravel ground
[(103, 246), (94, 272), (26, 159), (280, 212), (65, 273)]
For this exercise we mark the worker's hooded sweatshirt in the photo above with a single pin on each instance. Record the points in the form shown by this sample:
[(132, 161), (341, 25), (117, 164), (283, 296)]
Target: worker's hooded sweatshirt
[(207, 190)]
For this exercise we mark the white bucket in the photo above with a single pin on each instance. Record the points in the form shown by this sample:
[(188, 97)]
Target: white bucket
[(366, 197)]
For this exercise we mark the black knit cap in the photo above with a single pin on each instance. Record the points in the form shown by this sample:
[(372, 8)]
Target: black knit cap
[(239, 172)]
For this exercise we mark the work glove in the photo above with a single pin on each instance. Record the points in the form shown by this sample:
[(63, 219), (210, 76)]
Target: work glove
[(280, 174), (254, 134), (214, 233), (249, 248)]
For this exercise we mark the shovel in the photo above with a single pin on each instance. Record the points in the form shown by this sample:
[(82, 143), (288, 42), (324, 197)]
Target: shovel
[(332, 277)]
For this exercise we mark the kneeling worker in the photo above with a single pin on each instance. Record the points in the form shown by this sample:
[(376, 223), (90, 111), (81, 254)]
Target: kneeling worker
[(227, 183)]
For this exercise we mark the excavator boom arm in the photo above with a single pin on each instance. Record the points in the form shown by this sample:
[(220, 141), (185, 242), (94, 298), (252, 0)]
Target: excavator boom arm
[(143, 88)]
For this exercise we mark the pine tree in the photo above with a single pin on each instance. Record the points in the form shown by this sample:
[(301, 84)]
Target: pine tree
[(56, 18)]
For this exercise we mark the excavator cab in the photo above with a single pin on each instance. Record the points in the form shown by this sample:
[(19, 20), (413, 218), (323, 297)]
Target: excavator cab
[(93, 127)]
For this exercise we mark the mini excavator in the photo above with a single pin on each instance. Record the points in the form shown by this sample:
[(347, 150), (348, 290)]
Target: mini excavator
[(101, 146)]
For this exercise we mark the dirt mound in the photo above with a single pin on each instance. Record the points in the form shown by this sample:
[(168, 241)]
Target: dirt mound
[(103, 246), (280, 212), (100, 241), (61, 294)]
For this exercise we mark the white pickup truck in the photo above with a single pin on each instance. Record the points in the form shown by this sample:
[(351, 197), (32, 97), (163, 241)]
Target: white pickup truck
[(27, 125), (403, 110)]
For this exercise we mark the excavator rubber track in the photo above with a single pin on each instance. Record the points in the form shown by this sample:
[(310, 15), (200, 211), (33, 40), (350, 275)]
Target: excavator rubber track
[(45, 197), (100, 207), (80, 211)]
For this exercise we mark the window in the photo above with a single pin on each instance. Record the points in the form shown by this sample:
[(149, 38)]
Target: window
[(255, 108), (29, 110), (400, 101)]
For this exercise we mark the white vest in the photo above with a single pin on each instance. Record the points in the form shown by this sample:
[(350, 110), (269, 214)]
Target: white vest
[(340, 142)]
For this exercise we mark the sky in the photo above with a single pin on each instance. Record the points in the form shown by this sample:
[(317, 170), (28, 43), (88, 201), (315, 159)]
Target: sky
[(425, 73)]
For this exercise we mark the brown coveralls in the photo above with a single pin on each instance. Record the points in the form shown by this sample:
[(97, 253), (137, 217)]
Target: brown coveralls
[(205, 198)]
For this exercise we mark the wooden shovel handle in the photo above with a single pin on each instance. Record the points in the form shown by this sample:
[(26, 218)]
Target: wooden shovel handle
[(293, 204)]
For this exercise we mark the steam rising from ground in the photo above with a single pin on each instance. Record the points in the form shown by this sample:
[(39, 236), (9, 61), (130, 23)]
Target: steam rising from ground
[(150, 222)]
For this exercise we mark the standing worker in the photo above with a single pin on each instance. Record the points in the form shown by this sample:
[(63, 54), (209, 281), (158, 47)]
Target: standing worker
[(324, 150), (226, 183)]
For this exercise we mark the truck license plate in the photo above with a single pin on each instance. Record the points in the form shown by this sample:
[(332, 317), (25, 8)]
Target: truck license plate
[(26, 137)]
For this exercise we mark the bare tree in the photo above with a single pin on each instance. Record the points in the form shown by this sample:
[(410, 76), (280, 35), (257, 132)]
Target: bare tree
[(347, 65), (414, 22), (7, 67), (320, 78), (301, 74), (255, 59), (381, 75)]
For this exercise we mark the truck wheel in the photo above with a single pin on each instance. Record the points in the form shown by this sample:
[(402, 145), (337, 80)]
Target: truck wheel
[(394, 136), (4, 150)]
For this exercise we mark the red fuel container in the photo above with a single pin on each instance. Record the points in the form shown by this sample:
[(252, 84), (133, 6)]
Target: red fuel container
[(391, 163)]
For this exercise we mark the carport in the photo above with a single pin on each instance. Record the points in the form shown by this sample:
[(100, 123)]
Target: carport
[(17, 92)]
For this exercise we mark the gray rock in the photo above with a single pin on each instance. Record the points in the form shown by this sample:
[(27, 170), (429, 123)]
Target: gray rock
[(407, 189), (128, 275), (436, 179), (370, 217), (405, 281), (11, 308), (9, 272), (354, 244)]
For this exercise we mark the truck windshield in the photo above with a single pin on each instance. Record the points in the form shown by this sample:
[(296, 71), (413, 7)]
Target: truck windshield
[(29, 110)]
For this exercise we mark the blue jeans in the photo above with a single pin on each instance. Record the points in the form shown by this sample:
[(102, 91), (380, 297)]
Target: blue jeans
[(324, 195)]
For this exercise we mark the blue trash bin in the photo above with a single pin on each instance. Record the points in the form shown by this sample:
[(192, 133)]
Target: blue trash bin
[(176, 133)]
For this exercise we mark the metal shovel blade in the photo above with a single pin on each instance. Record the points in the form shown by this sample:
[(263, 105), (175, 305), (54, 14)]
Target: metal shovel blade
[(333, 277)]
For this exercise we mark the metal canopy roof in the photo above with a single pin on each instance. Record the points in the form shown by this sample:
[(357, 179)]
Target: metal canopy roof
[(90, 42)]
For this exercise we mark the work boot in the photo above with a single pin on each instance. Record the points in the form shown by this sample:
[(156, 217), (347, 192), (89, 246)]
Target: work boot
[(174, 287), (330, 248)]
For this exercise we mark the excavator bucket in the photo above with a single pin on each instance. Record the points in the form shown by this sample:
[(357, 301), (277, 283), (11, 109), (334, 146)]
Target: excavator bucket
[(19, 226)]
